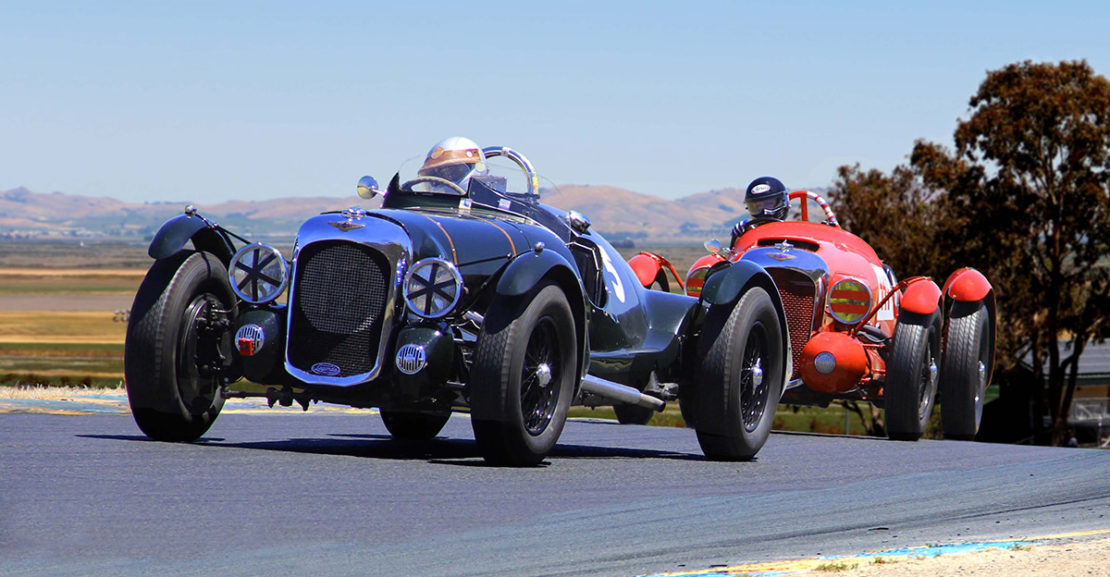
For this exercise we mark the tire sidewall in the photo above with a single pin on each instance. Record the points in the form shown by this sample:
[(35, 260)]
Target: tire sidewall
[(962, 398), (720, 423), (154, 334), (496, 399), (916, 341), (548, 302)]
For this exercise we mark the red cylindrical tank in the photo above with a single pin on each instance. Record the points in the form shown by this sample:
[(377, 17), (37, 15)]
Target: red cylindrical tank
[(833, 362)]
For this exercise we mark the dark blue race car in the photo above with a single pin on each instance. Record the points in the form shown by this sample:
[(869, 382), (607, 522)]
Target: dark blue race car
[(475, 299)]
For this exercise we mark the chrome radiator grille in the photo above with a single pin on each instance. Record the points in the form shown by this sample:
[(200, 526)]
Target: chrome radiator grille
[(340, 291), (797, 292)]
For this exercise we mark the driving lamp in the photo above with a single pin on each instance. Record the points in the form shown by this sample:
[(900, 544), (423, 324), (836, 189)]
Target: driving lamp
[(432, 288), (258, 273)]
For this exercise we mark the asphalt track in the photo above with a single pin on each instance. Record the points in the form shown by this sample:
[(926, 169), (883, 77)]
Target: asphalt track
[(328, 493)]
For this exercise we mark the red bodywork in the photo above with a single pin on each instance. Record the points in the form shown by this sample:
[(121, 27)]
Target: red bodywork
[(847, 281)]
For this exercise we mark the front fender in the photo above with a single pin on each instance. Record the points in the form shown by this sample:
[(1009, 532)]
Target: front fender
[(726, 285), (526, 271), (171, 238), (646, 268), (922, 297), (724, 288), (967, 285)]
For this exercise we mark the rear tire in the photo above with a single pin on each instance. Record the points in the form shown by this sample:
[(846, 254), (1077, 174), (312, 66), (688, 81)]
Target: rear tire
[(413, 426), (633, 414), (661, 283), (911, 379), (523, 377), (968, 359), (741, 378), (178, 349)]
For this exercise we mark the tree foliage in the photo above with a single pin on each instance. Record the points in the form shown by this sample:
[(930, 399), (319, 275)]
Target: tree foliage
[(1024, 198)]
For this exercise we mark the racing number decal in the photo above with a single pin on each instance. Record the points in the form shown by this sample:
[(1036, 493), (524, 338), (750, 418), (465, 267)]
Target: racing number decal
[(886, 313), (612, 279)]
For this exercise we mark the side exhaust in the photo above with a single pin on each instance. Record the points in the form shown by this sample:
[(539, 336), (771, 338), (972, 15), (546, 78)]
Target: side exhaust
[(621, 393)]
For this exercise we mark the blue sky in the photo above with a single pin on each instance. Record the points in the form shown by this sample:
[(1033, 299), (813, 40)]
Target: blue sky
[(207, 101)]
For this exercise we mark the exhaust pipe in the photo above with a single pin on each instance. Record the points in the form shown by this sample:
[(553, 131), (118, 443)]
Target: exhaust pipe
[(621, 393)]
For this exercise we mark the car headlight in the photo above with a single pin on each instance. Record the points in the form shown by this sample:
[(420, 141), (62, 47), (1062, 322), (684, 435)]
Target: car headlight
[(849, 301), (432, 288), (258, 273), (695, 280)]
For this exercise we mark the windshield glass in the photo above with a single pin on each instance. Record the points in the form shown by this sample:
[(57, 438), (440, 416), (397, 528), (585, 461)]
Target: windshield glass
[(499, 173)]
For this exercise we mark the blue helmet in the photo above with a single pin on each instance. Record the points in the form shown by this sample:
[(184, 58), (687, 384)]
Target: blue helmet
[(767, 197)]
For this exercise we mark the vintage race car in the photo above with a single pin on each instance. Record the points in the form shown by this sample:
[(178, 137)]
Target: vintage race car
[(858, 333), (479, 300)]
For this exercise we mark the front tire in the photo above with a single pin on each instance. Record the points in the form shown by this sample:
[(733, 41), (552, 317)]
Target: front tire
[(413, 426), (911, 379), (741, 381), (968, 359), (523, 377), (178, 347)]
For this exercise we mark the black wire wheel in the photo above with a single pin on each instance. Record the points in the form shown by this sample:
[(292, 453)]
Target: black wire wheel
[(413, 426), (178, 349), (968, 363), (523, 376), (912, 375), (741, 378)]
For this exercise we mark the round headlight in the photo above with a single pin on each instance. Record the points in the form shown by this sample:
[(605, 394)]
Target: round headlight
[(849, 301), (695, 280), (432, 288), (258, 273)]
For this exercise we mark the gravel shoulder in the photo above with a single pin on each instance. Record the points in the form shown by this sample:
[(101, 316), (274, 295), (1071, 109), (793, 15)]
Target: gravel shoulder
[(1069, 557)]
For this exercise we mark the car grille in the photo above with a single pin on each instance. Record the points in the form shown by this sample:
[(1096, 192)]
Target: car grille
[(797, 292), (338, 303)]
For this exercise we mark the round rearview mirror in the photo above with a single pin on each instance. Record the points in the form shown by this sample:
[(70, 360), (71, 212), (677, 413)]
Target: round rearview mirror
[(713, 246), (368, 187)]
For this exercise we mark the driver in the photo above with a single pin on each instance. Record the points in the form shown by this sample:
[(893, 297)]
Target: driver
[(456, 159), (767, 200)]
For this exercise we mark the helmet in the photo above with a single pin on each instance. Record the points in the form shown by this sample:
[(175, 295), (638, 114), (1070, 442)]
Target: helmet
[(767, 197), (456, 159)]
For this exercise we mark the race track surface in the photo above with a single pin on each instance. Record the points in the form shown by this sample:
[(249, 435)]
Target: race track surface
[(286, 493)]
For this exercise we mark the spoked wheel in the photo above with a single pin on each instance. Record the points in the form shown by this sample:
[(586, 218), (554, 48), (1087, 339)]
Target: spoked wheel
[(968, 362), (741, 378), (753, 388), (178, 349), (413, 426), (911, 381), (523, 378)]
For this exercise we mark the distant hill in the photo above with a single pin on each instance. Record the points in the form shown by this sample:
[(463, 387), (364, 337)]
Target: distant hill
[(618, 213)]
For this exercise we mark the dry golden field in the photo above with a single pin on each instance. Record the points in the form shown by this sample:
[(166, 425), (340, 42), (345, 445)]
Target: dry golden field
[(62, 311)]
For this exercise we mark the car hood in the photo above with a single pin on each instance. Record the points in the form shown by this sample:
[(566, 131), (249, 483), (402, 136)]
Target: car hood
[(464, 239)]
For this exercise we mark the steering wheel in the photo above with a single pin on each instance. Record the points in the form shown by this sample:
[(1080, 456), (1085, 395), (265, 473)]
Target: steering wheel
[(830, 218), (407, 186)]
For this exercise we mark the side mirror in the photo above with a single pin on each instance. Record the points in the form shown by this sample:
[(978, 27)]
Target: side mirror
[(578, 221), (714, 247), (368, 187)]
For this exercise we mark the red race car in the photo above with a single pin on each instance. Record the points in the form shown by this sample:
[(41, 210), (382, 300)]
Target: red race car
[(858, 333)]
